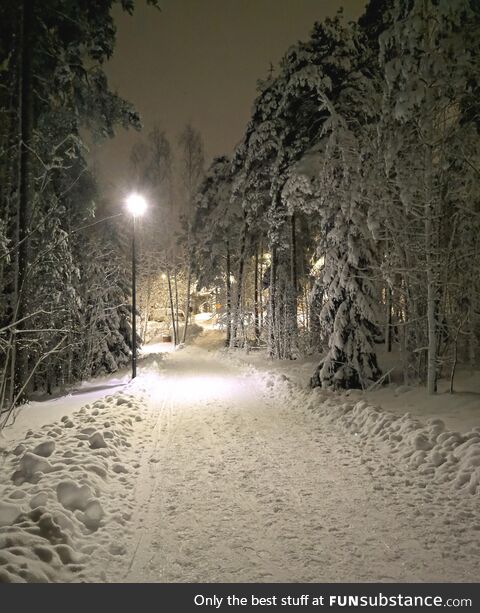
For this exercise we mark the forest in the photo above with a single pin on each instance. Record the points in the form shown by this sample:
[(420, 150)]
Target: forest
[(345, 223), (348, 216)]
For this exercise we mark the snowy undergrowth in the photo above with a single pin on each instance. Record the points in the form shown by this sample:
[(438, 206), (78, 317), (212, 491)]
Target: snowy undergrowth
[(59, 490), (435, 455)]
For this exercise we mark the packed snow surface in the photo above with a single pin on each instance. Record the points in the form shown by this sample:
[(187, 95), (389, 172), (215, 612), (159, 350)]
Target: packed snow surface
[(207, 470)]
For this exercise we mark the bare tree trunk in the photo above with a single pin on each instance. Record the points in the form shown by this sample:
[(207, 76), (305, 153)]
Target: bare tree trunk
[(272, 333), (404, 332), (241, 267), (8, 182), (291, 317), (25, 192), (176, 305), (431, 281), (472, 337), (147, 305), (429, 138), (388, 322), (172, 311), (472, 342), (455, 352), (293, 262), (260, 289), (187, 301), (255, 300), (306, 307), (229, 298)]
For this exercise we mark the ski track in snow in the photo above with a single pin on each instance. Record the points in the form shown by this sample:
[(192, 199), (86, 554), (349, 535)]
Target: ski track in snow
[(230, 476)]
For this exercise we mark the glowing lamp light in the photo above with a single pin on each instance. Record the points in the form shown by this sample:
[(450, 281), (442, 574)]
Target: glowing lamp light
[(136, 204)]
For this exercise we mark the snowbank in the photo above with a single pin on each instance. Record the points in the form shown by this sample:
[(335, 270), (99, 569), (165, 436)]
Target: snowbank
[(56, 488), (435, 453)]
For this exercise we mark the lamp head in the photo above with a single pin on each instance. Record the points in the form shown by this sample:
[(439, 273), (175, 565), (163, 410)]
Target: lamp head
[(136, 204)]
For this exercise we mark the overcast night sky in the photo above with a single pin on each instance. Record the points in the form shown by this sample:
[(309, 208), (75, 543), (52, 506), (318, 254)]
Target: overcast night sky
[(199, 61)]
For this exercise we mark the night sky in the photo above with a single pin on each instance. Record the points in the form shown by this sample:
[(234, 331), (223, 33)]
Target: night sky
[(199, 61)]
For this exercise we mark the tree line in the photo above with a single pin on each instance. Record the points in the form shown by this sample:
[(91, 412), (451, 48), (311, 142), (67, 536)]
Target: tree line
[(347, 218), (169, 175), (64, 311)]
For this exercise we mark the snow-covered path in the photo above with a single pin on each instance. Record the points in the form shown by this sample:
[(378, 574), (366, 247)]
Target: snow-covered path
[(205, 469), (238, 484)]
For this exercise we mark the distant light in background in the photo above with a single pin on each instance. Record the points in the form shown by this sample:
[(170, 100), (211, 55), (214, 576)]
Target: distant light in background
[(318, 264)]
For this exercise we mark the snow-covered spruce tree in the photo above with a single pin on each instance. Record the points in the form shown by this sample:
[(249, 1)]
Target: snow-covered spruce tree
[(347, 317), (330, 177), (105, 306), (430, 60)]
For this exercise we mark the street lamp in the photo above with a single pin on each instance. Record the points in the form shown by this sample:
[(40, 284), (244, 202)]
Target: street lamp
[(136, 206)]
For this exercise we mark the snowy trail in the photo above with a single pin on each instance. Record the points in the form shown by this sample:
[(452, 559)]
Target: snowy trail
[(204, 469), (238, 484)]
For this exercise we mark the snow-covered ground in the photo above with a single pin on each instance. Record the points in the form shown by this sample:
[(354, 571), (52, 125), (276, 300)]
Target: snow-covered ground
[(38, 412), (209, 469), (460, 411)]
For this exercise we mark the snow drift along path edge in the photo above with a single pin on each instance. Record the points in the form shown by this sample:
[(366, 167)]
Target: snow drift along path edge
[(434, 454), (65, 497)]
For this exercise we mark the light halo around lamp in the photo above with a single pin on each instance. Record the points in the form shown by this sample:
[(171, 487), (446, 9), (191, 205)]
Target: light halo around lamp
[(136, 204)]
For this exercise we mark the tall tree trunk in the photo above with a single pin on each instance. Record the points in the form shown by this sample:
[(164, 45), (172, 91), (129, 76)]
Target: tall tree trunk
[(238, 300), (229, 298), (260, 288), (388, 319), (255, 300), (176, 305), (172, 310), (429, 138), (293, 260), (187, 301), (306, 310), (292, 325), (25, 189), (432, 295), (272, 333), (472, 337), (147, 305), (8, 184)]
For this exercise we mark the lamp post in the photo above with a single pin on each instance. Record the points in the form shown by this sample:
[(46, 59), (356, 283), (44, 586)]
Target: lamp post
[(136, 206)]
